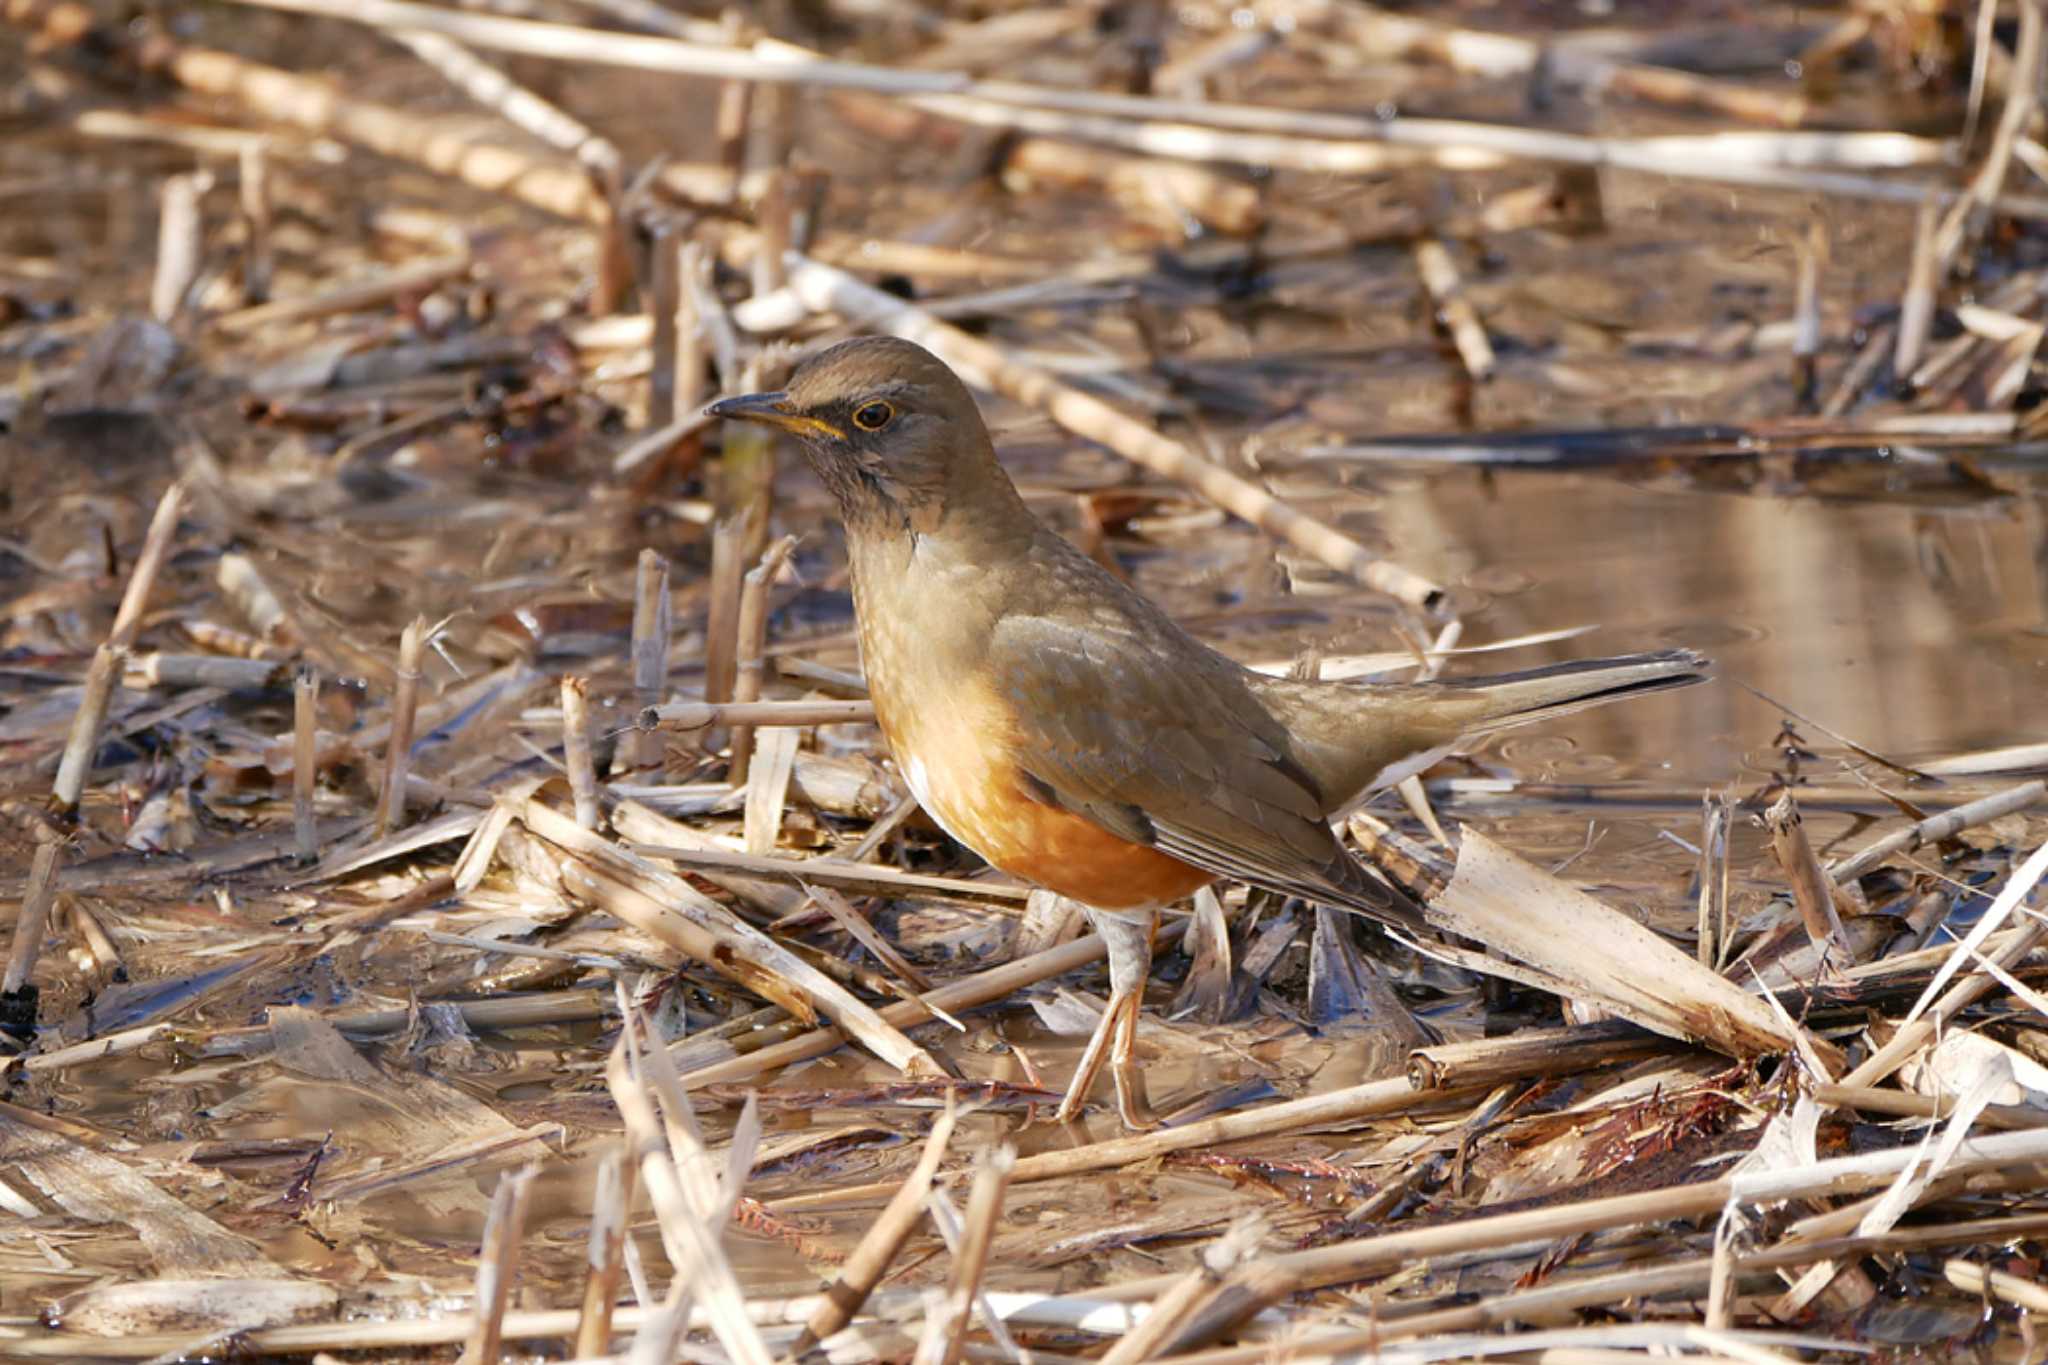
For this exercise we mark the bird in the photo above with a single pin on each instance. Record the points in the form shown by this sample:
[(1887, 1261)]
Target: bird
[(1061, 725)]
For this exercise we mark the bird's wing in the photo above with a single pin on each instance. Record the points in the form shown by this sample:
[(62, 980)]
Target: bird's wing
[(1164, 746)]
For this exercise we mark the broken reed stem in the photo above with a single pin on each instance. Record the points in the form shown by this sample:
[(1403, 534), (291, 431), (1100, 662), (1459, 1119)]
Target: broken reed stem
[(1454, 311), (254, 192), (772, 218), (149, 562), (664, 305), (512, 102), (1713, 875), (824, 288), (689, 716), (83, 741), (1916, 305), (498, 1264), (576, 749), (653, 626), (610, 1207), (1936, 828), (735, 109), (984, 1207), (398, 748), (1811, 251), (31, 924), (687, 373), (179, 244), (1812, 892), (305, 761), (752, 633), (878, 1246), (1967, 991), (722, 614), (745, 488)]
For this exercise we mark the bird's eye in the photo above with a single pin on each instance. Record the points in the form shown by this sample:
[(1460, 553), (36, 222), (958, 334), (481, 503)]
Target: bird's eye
[(873, 416)]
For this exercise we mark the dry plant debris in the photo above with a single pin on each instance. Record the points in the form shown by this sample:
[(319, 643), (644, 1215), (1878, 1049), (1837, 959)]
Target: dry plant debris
[(457, 905)]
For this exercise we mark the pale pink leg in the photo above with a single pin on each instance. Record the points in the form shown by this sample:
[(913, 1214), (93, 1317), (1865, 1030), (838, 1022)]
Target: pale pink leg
[(1128, 937)]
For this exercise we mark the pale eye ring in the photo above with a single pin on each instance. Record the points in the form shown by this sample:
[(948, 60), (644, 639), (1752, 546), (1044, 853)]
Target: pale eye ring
[(873, 416)]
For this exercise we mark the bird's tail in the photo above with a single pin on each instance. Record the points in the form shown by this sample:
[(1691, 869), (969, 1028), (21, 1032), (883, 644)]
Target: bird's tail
[(1506, 700)]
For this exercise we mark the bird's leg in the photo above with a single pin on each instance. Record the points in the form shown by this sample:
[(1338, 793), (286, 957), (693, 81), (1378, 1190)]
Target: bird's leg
[(1128, 938)]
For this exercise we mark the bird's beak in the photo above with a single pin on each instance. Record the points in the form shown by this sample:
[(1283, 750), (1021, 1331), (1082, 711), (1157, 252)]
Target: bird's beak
[(772, 409)]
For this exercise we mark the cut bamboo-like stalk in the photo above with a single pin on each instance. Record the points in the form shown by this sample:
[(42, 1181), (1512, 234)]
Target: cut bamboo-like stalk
[(1916, 305), (772, 216), (576, 755), (752, 644), (305, 761), (398, 747), (1812, 892), (83, 741), (722, 620), (970, 1262), (653, 627), (878, 1246), (31, 924), (149, 562), (1713, 876), (1936, 828), (504, 1229), (254, 192), (686, 380), (665, 293), (179, 244), (243, 585), (610, 1206), (1811, 252), (735, 109), (1453, 308), (681, 1207), (1528, 1054), (416, 277), (691, 716)]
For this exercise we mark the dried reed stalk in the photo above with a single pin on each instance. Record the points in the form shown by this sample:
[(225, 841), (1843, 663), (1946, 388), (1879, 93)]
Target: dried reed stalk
[(305, 761), (1453, 309), (253, 194), (498, 1264), (653, 628), (414, 277), (752, 643), (1812, 892), (665, 292), (878, 1246), (970, 1258), (722, 620), (610, 1207), (690, 716), (576, 756), (398, 747), (180, 245), (663, 904), (149, 562), (1937, 828)]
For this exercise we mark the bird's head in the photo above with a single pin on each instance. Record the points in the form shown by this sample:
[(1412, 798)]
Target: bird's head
[(887, 426)]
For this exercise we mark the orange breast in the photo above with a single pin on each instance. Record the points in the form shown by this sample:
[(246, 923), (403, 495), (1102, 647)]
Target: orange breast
[(957, 752)]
